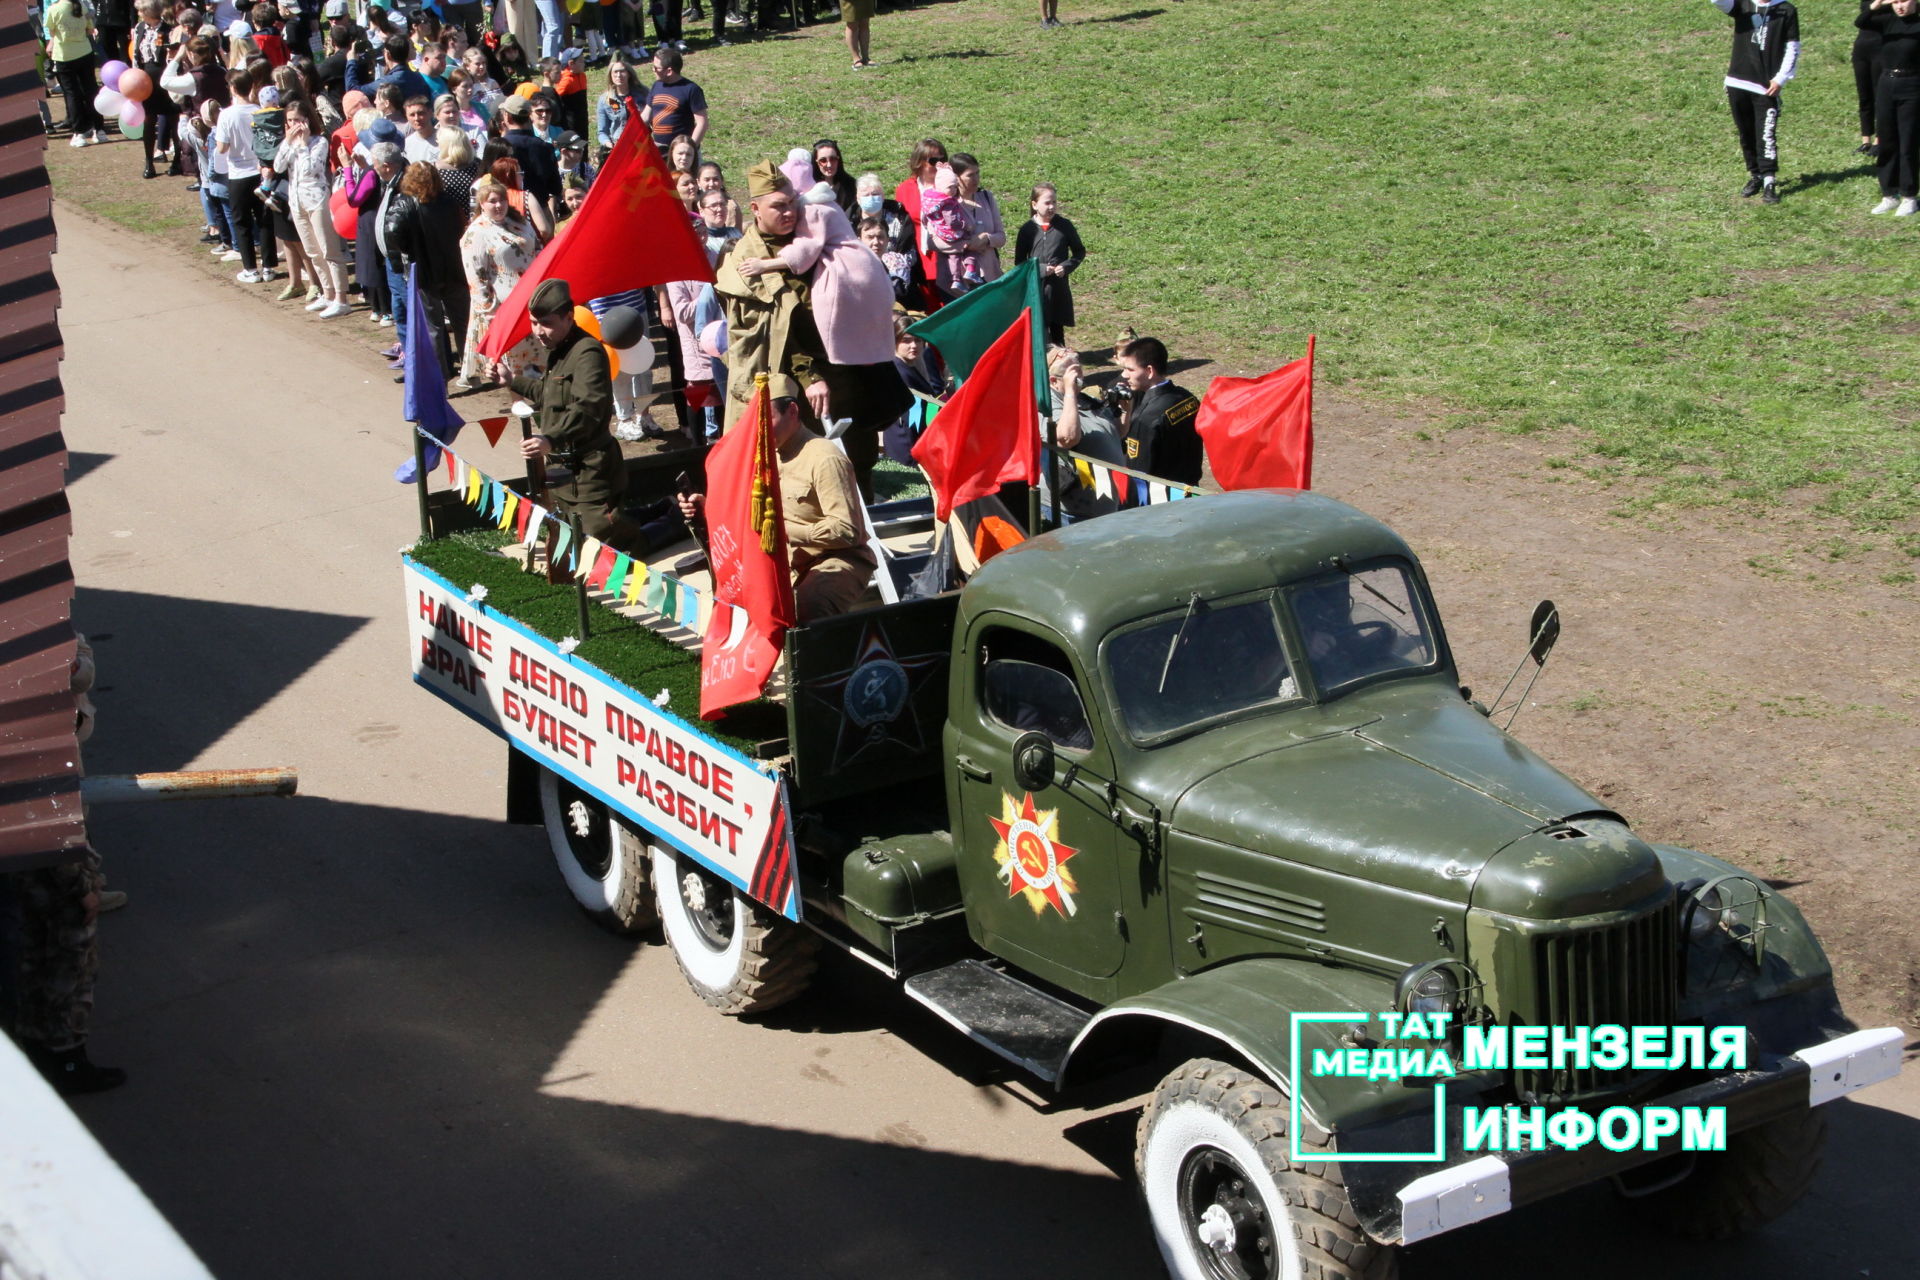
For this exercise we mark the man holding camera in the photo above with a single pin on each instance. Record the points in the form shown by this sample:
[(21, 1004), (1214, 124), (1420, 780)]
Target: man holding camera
[(1158, 423)]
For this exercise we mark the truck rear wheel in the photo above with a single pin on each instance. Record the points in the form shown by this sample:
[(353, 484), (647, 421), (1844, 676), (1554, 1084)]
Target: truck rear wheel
[(603, 861), (1225, 1202), (1763, 1172), (735, 954)]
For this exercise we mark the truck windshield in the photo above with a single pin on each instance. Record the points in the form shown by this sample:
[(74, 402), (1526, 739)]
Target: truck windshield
[(1204, 661), (1360, 623)]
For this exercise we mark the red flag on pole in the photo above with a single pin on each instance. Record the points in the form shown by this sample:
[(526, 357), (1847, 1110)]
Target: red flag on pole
[(747, 545), (1258, 432), (631, 232), (988, 434)]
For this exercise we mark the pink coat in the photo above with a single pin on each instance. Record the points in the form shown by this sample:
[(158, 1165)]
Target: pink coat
[(852, 296), (696, 365)]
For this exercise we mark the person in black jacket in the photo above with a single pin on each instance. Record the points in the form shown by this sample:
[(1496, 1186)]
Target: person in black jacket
[(1897, 102), (423, 232), (539, 168), (1056, 243), (1766, 49), (1160, 432)]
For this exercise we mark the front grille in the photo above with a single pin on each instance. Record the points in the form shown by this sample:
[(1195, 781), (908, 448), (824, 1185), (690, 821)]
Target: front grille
[(1626, 975)]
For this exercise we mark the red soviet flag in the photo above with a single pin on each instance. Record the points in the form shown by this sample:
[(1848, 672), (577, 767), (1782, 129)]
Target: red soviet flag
[(1258, 432), (989, 433), (631, 232), (747, 546)]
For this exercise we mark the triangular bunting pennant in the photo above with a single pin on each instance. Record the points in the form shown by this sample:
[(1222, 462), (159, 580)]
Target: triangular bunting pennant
[(508, 512), (636, 582), (536, 521), (689, 611), (617, 579), (453, 468), (562, 545), (1122, 488), (737, 628), (1156, 493), (473, 486), (1083, 469), (600, 563), (521, 518), (656, 594), (494, 428), (1102, 483), (1174, 494)]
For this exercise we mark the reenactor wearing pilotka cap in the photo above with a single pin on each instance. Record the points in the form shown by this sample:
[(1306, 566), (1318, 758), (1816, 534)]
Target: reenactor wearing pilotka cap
[(573, 417)]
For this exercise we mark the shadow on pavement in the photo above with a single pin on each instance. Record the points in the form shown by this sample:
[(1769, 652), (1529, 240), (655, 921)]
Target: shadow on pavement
[(176, 675)]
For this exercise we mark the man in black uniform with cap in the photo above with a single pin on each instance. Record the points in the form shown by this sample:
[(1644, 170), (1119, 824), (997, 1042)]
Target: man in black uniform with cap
[(1159, 433), (573, 410)]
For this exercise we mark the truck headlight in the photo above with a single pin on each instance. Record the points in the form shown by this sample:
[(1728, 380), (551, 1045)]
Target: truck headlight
[(1433, 987), (1703, 909)]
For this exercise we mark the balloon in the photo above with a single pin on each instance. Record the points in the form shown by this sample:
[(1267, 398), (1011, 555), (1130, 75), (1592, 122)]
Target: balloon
[(134, 85), (613, 362), (621, 327), (132, 116), (637, 358), (107, 102), (132, 131), (586, 320), (110, 74)]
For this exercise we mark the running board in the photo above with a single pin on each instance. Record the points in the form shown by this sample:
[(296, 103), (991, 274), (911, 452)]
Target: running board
[(1026, 1026)]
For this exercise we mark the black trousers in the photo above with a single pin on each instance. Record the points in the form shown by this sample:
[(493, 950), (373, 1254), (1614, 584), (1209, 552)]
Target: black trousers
[(252, 223), (1897, 120), (78, 86), (1757, 117), (1866, 78)]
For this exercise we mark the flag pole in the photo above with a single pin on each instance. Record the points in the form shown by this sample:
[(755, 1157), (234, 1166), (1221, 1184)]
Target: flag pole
[(1308, 465), (420, 479), (580, 579)]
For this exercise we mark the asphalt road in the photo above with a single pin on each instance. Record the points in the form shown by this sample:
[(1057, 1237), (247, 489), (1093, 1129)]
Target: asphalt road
[(369, 1035)]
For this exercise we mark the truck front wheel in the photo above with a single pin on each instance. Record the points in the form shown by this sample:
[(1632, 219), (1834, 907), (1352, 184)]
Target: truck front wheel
[(602, 860), (1226, 1203), (736, 955), (1763, 1172)]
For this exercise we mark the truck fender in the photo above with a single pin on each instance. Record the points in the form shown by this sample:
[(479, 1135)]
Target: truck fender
[(1246, 1007)]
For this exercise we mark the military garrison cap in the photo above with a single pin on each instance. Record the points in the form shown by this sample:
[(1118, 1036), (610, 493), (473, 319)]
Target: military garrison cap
[(551, 298)]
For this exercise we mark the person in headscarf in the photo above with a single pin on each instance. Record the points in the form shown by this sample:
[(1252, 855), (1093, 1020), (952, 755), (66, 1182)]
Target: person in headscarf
[(804, 297)]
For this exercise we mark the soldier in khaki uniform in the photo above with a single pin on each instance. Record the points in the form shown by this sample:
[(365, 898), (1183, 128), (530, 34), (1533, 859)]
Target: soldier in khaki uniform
[(573, 407)]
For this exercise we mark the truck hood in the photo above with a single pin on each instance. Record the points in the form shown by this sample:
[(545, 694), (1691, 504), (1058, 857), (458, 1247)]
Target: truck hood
[(1420, 794)]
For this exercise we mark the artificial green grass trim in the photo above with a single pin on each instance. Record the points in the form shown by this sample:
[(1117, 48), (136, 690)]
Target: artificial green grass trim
[(627, 651)]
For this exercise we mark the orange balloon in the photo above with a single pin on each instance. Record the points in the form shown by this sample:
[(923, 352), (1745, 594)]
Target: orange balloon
[(586, 320), (613, 361), (135, 84)]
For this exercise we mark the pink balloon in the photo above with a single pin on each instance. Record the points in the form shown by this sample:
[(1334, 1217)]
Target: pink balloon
[(110, 74), (133, 115), (135, 84)]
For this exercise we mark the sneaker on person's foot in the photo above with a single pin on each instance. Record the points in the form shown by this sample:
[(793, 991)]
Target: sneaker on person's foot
[(1752, 188), (248, 277), (289, 293), (1908, 207), (1887, 205), (334, 310), (1769, 193), (386, 322), (319, 304), (77, 140), (393, 352), (738, 19)]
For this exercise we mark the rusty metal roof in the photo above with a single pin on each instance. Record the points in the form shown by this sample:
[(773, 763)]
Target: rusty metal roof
[(41, 820)]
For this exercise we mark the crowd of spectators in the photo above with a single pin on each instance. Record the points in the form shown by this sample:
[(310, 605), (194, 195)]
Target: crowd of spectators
[(331, 152)]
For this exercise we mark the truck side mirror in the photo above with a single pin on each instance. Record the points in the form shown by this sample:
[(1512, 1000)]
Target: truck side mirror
[(1543, 631), (1033, 762)]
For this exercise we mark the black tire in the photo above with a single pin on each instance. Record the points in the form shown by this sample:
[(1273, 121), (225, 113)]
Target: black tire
[(1763, 1173), (603, 861), (735, 954), (1225, 1202)]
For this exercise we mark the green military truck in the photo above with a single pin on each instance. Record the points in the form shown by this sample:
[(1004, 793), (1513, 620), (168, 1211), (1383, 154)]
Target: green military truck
[(1198, 785)]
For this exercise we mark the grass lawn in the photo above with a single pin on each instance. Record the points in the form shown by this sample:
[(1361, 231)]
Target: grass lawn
[(1519, 218)]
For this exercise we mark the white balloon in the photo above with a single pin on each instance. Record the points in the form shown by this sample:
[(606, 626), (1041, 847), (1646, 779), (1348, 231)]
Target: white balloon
[(107, 102), (637, 358)]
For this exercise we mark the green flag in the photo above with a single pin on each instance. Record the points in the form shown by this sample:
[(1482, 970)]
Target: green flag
[(967, 326)]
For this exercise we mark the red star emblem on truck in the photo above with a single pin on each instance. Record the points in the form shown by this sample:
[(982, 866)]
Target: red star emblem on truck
[(1032, 858)]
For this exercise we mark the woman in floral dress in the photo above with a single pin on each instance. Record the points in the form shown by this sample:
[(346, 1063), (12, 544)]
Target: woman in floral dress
[(498, 245)]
